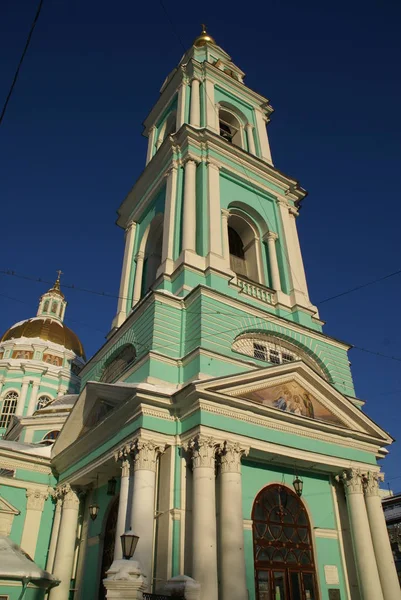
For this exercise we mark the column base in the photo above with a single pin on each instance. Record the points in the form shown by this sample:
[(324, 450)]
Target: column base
[(125, 580)]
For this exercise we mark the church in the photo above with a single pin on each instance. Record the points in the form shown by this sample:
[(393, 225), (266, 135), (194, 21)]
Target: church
[(218, 421)]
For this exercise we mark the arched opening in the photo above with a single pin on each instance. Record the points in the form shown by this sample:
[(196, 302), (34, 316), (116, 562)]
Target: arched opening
[(43, 401), (108, 545), (230, 128), (119, 362), (153, 254), (168, 127), (50, 438), (282, 542), (243, 244)]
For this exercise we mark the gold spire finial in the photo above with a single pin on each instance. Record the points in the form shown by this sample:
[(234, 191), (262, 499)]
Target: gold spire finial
[(57, 283), (203, 38)]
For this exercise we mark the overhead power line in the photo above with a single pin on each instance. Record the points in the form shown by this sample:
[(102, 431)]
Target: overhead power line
[(21, 60), (359, 287)]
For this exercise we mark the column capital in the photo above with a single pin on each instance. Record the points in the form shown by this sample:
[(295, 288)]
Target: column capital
[(352, 479), (203, 451), (173, 168), (190, 160), (293, 211), (225, 213), (210, 163), (140, 255), (249, 126), (130, 225), (36, 499), (122, 455), (70, 496), (231, 454), (270, 235), (145, 453), (371, 483)]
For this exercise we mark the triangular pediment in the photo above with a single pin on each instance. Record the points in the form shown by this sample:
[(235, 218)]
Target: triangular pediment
[(6, 507), (295, 391)]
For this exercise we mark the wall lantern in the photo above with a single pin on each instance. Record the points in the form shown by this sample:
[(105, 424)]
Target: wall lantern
[(298, 486), (111, 486), (93, 511), (128, 543)]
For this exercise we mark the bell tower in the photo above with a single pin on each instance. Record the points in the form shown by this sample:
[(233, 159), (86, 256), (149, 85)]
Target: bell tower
[(210, 208)]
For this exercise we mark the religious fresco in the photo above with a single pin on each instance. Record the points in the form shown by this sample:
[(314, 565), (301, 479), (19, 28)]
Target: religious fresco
[(292, 397)]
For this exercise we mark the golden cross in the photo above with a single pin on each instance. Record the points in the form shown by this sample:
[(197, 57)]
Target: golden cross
[(59, 273)]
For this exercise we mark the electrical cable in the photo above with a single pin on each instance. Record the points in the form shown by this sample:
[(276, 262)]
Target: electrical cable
[(21, 60)]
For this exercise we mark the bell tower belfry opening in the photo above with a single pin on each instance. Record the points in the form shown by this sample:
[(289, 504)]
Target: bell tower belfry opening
[(210, 203)]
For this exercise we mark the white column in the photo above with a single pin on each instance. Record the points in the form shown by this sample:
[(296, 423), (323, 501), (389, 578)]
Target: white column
[(33, 398), (55, 531), (169, 220), (263, 139), (232, 556), (300, 279), (211, 111), (224, 230), (182, 94), (21, 400), (204, 550), (65, 552), (214, 210), (34, 509), (189, 220), (271, 239), (136, 295), (250, 138), (125, 274), (194, 117), (121, 526), (381, 543), (143, 502), (151, 144), (368, 575)]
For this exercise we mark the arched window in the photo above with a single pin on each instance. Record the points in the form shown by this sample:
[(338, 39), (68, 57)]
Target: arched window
[(54, 308), (46, 306), (153, 254), (274, 350), (282, 542), (244, 248), (118, 363), (42, 402), (230, 128), (9, 408), (50, 437)]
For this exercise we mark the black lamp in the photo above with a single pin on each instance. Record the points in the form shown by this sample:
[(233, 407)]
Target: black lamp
[(93, 511), (298, 486), (129, 542), (111, 486)]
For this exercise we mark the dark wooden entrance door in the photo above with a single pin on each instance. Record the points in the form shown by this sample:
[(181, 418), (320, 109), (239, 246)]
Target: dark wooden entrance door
[(282, 542)]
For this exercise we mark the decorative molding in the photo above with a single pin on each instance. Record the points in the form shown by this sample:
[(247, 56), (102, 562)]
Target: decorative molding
[(230, 457), (145, 453), (371, 483), (36, 499), (352, 480), (203, 451), (248, 524), (321, 532)]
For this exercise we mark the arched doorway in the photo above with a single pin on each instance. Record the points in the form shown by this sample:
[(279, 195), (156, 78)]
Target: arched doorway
[(282, 544), (108, 545)]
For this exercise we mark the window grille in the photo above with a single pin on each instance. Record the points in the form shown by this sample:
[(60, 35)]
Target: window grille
[(9, 408)]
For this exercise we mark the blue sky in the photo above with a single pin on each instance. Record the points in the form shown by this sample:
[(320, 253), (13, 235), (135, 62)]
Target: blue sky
[(71, 148)]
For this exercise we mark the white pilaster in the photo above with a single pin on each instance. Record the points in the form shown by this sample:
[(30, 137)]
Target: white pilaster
[(169, 221), (136, 295), (204, 551), (151, 144), (368, 575), (224, 230), (34, 509), (123, 457), (182, 94), (232, 556), (33, 398), (143, 502), (381, 543), (21, 400), (189, 220), (300, 277), (125, 275), (263, 139), (194, 117), (214, 210), (271, 239), (250, 138), (55, 532), (65, 552)]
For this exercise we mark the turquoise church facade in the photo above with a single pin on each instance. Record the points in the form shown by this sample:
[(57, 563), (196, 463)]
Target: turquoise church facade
[(218, 420)]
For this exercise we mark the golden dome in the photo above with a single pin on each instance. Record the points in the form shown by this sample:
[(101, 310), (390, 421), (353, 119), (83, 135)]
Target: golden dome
[(48, 330), (203, 38)]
